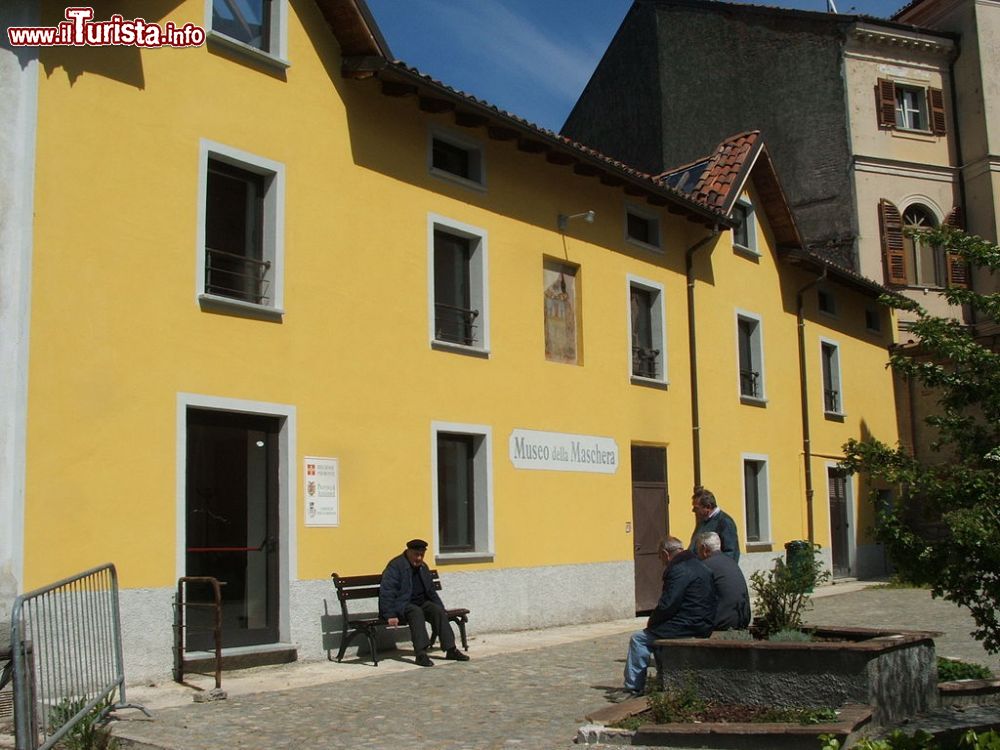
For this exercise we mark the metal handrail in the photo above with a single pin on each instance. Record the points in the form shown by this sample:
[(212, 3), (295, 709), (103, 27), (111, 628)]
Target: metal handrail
[(644, 361), (831, 399), (460, 329), (253, 275), (750, 383)]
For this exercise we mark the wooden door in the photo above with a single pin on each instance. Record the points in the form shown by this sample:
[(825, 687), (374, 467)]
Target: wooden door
[(649, 522)]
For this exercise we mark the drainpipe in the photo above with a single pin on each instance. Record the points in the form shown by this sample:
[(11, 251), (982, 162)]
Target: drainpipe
[(804, 396), (693, 350)]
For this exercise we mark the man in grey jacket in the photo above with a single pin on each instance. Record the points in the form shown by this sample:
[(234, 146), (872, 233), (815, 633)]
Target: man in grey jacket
[(733, 599), (407, 593)]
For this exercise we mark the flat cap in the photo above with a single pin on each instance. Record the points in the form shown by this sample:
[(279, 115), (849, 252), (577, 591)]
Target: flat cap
[(416, 544)]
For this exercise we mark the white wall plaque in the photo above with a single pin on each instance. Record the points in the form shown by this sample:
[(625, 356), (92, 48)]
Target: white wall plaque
[(321, 484), (559, 451)]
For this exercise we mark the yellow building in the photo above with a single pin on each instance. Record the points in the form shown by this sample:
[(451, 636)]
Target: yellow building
[(281, 303)]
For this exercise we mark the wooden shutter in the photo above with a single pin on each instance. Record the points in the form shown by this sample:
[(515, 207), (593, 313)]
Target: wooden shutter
[(885, 99), (938, 122), (954, 218), (893, 250), (958, 269)]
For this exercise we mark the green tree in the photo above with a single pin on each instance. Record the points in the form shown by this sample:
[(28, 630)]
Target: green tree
[(943, 527)]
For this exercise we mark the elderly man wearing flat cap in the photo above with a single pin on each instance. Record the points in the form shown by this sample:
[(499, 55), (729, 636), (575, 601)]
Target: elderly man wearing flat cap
[(407, 593)]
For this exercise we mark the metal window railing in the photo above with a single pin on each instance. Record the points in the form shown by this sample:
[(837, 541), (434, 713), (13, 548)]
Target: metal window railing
[(455, 324), (750, 383), (67, 649), (644, 362), (831, 400), (237, 276)]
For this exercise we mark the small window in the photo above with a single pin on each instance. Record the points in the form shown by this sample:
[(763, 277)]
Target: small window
[(903, 106), (826, 302), (751, 357), (756, 500), (255, 26), (873, 319), (911, 108), (241, 245), (646, 324), (462, 503), (833, 399), (642, 228), (925, 264), (456, 158), (745, 233), (561, 312), (459, 316)]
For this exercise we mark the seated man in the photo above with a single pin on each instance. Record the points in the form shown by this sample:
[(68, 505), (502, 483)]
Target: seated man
[(686, 609), (733, 612), (407, 593)]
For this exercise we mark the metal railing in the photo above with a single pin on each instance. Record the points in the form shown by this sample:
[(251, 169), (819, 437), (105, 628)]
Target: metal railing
[(455, 324), (67, 649), (831, 400), (182, 627), (644, 362), (750, 383), (237, 276)]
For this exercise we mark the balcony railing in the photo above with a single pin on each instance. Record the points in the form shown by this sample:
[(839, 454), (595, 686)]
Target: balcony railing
[(750, 383), (644, 362), (455, 324), (831, 400), (236, 276)]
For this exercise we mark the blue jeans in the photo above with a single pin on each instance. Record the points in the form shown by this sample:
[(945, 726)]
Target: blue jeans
[(640, 651)]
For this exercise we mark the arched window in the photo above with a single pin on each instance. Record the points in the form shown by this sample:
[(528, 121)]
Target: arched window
[(924, 263)]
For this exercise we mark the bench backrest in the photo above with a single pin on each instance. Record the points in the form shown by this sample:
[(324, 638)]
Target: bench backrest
[(364, 587)]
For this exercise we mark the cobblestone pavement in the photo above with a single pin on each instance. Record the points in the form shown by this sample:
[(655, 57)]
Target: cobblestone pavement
[(533, 699)]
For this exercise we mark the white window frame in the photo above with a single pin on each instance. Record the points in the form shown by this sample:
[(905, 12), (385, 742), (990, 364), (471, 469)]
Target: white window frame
[(751, 226), (478, 280), (837, 382), (904, 114), (658, 326), (655, 226), (764, 493), (273, 238), (757, 351), (473, 147), (483, 488), (276, 56)]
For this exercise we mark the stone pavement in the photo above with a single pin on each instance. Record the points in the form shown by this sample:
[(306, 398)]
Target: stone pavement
[(521, 690)]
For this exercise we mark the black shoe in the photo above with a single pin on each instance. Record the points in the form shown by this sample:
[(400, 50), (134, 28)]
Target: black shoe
[(423, 660), (455, 655), (622, 694)]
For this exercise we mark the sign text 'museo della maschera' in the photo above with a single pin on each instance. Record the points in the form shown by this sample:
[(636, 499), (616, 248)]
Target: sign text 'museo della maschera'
[(558, 451)]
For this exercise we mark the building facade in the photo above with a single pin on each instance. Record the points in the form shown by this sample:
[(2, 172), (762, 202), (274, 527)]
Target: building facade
[(284, 303)]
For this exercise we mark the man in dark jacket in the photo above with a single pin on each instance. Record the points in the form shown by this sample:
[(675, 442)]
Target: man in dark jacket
[(733, 609), (686, 609), (710, 517), (407, 593)]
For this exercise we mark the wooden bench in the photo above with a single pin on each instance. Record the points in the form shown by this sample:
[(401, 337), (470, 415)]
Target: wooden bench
[(366, 587)]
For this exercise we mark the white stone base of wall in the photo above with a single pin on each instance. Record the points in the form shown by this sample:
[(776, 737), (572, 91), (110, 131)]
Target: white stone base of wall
[(500, 600)]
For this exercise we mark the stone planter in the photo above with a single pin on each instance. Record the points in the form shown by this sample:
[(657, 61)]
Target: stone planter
[(893, 672)]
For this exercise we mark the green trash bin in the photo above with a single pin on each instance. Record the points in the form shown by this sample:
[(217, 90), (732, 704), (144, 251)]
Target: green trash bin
[(798, 557)]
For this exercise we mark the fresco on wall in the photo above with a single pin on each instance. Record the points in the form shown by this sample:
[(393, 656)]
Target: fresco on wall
[(559, 283)]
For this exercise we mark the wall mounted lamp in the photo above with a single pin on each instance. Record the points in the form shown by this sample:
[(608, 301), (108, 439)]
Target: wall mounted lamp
[(587, 216)]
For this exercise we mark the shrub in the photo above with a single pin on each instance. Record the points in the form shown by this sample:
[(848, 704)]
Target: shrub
[(953, 669), (789, 636), (676, 703), (782, 593)]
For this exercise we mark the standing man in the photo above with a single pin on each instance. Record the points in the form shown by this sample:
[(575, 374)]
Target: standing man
[(407, 593), (733, 609), (710, 517), (686, 610)]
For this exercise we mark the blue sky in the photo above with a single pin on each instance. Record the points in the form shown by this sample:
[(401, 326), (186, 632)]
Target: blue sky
[(530, 57)]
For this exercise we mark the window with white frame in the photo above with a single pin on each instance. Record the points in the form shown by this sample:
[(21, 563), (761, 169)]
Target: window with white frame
[(458, 294), (750, 348), (463, 489), (642, 227), (745, 233), (241, 240), (911, 108), (756, 499), (255, 26), (648, 331), (925, 263), (456, 158), (833, 397)]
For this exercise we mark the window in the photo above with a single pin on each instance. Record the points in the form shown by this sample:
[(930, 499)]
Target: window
[(751, 356), (756, 500), (833, 401), (873, 319), (642, 228), (463, 490), (456, 158), (924, 262), (902, 106), (241, 244), (561, 312), (910, 262), (745, 233), (458, 296), (257, 27), (826, 302), (647, 329)]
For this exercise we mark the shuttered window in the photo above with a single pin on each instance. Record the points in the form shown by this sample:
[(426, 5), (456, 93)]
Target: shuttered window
[(899, 106)]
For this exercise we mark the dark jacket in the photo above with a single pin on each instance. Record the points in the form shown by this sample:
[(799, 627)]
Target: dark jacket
[(687, 606), (733, 608), (723, 525), (396, 589)]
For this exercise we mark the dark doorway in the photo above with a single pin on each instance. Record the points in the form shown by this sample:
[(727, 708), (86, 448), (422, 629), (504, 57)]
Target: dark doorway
[(232, 524), (837, 480), (649, 522)]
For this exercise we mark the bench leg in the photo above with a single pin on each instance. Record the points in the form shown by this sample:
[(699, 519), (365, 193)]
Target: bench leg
[(461, 631), (345, 641)]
